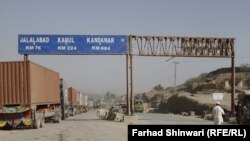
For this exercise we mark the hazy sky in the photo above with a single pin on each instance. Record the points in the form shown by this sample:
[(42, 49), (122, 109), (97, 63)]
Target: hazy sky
[(99, 74)]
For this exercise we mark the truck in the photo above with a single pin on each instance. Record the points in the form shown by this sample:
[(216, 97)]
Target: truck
[(72, 93), (64, 99), (139, 106), (82, 101), (29, 95)]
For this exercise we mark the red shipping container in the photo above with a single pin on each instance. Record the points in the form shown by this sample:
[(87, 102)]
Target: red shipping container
[(72, 93), (27, 83)]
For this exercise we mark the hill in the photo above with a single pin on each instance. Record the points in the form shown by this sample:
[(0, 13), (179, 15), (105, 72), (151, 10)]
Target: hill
[(196, 93)]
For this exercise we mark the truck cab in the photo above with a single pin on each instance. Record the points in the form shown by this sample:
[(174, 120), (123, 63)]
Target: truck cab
[(139, 106)]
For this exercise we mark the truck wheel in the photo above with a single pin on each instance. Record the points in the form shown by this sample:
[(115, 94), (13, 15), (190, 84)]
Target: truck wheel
[(42, 122), (57, 120), (36, 123), (65, 116)]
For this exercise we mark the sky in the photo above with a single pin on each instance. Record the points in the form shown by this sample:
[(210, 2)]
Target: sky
[(99, 74)]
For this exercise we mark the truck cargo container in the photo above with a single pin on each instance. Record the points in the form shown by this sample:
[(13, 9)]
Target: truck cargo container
[(29, 94), (82, 101), (72, 93), (64, 99)]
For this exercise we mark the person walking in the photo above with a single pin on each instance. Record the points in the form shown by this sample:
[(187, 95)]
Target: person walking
[(239, 113), (218, 113)]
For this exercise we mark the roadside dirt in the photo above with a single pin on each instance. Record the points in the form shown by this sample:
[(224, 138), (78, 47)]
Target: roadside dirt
[(82, 127)]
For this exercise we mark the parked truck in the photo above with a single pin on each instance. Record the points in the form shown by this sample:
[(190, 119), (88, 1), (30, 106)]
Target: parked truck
[(72, 93), (64, 99), (82, 102), (139, 106), (29, 95)]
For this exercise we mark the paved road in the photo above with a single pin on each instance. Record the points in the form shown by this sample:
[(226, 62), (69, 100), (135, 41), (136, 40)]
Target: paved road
[(88, 127)]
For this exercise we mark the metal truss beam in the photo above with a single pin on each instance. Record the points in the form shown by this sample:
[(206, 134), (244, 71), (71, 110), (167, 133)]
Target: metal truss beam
[(179, 47), (182, 46)]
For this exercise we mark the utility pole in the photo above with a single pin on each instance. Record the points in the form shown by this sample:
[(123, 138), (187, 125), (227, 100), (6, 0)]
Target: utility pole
[(175, 89)]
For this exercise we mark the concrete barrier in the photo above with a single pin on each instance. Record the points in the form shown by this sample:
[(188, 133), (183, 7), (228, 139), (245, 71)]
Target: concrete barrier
[(130, 119), (119, 117), (102, 113)]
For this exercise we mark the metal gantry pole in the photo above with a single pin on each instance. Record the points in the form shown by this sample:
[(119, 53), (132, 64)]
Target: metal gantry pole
[(131, 85), (25, 57), (129, 70), (232, 87), (175, 74), (128, 84), (131, 76), (233, 79)]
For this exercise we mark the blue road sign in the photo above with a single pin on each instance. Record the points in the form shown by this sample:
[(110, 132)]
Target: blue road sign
[(72, 44)]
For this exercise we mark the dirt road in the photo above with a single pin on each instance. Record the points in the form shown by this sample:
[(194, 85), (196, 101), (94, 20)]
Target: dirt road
[(88, 127), (82, 127)]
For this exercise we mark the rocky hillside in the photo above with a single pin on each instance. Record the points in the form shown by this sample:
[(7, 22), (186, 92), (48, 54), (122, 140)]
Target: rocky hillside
[(218, 80), (195, 95)]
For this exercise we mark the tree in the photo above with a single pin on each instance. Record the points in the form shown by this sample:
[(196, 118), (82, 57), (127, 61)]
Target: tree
[(245, 68), (158, 88), (113, 96), (145, 98), (245, 65), (109, 96), (190, 81)]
